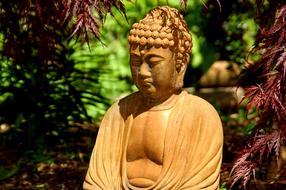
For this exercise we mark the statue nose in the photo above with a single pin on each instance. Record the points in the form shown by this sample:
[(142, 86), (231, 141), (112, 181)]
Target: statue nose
[(144, 70)]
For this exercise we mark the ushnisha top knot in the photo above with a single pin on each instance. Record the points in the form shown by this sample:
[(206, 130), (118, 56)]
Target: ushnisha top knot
[(163, 27)]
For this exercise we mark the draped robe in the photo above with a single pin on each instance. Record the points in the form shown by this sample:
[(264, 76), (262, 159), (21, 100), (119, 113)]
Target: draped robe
[(192, 147)]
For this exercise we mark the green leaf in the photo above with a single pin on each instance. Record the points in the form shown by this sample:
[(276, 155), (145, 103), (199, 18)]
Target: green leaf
[(6, 173)]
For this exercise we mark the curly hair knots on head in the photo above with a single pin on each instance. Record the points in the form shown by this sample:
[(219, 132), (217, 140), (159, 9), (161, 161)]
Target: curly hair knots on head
[(163, 27)]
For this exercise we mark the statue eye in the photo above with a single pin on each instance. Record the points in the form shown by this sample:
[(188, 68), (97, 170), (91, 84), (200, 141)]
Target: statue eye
[(135, 61), (154, 60)]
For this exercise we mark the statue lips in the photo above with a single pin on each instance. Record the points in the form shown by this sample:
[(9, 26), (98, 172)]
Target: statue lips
[(146, 83)]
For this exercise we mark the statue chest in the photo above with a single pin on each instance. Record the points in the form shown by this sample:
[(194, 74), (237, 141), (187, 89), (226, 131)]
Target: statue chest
[(147, 136)]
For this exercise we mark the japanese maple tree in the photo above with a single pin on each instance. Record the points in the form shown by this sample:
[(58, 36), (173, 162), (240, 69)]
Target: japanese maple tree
[(265, 85)]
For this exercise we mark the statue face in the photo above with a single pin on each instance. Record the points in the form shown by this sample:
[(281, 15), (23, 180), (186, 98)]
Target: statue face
[(153, 71)]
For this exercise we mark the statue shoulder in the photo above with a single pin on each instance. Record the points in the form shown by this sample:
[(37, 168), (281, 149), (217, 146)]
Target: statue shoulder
[(129, 99), (125, 100), (124, 105), (200, 110), (121, 108), (200, 106)]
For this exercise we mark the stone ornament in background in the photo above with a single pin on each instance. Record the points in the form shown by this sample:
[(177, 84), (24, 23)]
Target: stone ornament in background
[(160, 137), (220, 74), (219, 84)]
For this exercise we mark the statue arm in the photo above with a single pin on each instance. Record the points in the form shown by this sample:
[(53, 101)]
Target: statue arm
[(204, 171), (103, 172), (193, 151)]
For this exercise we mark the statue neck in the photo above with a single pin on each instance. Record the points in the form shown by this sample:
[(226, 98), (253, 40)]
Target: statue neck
[(164, 103)]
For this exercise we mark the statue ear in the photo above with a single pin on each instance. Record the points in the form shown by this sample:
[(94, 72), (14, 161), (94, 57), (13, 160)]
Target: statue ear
[(180, 76), (181, 73), (183, 67)]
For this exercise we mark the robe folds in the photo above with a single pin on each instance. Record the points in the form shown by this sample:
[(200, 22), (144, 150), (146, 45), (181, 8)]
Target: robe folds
[(192, 147)]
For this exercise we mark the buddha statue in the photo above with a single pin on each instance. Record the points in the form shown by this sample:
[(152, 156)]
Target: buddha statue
[(160, 137)]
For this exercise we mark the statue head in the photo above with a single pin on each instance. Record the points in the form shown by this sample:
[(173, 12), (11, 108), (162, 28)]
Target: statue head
[(160, 47)]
